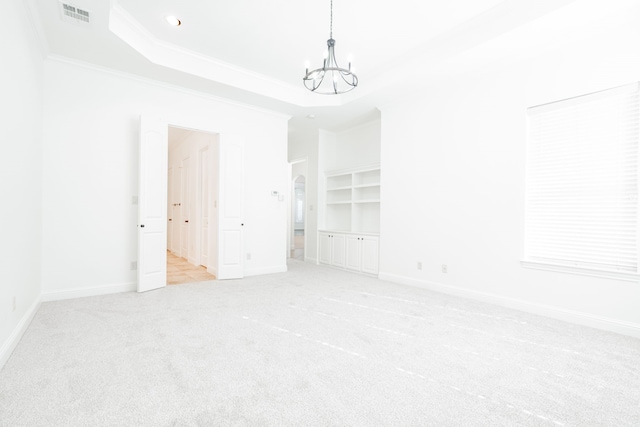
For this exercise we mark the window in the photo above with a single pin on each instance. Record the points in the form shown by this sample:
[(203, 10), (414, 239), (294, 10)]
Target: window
[(582, 185)]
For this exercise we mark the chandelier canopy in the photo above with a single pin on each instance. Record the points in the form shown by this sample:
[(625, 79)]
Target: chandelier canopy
[(330, 79)]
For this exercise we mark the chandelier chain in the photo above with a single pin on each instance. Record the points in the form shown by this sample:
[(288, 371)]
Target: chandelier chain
[(331, 22)]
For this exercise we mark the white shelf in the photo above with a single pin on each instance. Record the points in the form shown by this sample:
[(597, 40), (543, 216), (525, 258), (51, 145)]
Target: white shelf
[(353, 200), (355, 187)]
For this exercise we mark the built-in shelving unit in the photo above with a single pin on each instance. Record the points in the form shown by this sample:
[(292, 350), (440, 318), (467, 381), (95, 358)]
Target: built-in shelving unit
[(353, 201), (349, 184)]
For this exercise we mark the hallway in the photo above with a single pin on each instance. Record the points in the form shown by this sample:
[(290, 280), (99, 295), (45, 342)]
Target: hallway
[(180, 271)]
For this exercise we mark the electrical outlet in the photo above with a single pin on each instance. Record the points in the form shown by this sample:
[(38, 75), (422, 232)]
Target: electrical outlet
[(134, 265), (248, 257), (419, 265), (14, 304), (444, 268)]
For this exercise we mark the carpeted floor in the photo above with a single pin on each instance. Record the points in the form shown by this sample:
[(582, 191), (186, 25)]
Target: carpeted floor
[(312, 347)]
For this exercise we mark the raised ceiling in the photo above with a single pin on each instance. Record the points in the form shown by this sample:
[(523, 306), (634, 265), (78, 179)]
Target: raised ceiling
[(254, 51)]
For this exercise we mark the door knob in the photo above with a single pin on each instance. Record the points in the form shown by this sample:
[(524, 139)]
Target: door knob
[(141, 225)]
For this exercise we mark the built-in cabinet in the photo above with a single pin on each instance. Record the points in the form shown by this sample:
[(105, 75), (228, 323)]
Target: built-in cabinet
[(362, 253), (349, 251), (350, 236), (332, 249)]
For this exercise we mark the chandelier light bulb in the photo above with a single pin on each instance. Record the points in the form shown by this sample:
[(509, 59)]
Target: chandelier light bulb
[(172, 20)]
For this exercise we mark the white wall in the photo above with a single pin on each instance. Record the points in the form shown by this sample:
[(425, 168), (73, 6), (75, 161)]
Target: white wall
[(21, 93), (453, 161), (355, 147), (90, 168)]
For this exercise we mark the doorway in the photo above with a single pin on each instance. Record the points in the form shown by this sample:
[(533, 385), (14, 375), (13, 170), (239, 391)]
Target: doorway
[(298, 217), (225, 207), (190, 172)]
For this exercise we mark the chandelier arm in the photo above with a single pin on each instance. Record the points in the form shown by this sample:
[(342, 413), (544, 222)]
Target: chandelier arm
[(315, 84), (354, 79)]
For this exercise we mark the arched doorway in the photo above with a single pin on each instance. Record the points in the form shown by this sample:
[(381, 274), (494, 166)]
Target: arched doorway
[(298, 219)]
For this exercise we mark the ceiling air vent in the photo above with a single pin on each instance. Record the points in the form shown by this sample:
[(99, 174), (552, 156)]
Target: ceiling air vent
[(71, 13)]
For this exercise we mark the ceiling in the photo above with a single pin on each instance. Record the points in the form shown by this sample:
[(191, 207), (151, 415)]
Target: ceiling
[(254, 51)]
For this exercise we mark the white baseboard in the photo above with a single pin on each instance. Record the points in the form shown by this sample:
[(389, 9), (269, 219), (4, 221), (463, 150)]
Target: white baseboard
[(10, 344), (265, 270), (599, 322), (88, 292)]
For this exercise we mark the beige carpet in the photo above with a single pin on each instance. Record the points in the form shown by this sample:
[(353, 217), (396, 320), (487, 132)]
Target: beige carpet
[(312, 347)]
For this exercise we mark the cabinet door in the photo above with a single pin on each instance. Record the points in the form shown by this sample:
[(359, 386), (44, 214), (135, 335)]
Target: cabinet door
[(324, 253), (338, 250), (354, 253), (370, 255)]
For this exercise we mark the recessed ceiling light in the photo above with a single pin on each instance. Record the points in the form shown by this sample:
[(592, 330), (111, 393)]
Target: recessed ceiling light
[(172, 20), (311, 116)]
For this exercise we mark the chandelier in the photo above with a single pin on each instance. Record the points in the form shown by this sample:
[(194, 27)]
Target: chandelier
[(336, 80)]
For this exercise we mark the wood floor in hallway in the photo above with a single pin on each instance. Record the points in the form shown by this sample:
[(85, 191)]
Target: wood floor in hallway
[(179, 270)]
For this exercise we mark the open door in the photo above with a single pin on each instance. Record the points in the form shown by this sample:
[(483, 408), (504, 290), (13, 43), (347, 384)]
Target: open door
[(152, 204), (230, 204)]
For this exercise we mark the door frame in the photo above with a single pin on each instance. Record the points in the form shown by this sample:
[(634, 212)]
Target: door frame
[(201, 124), (291, 197)]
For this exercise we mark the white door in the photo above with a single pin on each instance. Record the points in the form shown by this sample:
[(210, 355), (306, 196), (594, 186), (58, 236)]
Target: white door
[(175, 215), (370, 255), (204, 207), (354, 254), (152, 204), (325, 248), (185, 200), (338, 245), (230, 205), (170, 208)]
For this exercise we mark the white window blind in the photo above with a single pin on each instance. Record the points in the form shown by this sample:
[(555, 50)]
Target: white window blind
[(582, 182)]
